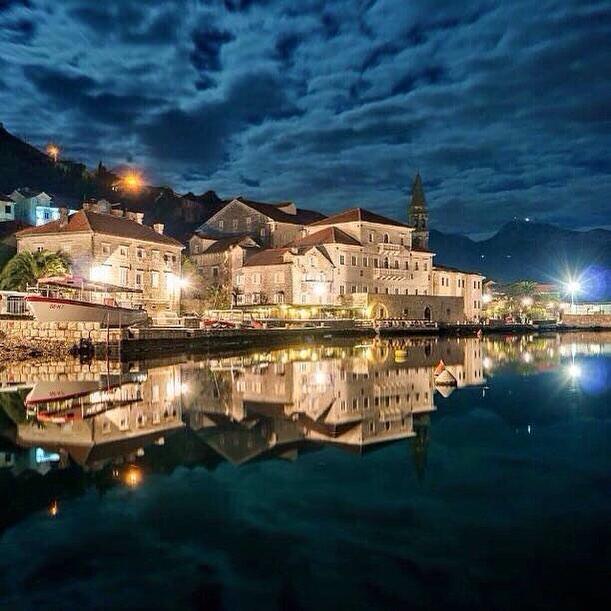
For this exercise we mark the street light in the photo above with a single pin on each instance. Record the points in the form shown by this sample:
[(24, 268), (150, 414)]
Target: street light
[(573, 287), (53, 152)]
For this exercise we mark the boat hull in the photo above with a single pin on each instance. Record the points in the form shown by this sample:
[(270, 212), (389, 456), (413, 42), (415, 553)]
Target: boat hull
[(52, 309)]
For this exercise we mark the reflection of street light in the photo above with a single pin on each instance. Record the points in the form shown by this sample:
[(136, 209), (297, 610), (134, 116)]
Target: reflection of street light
[(574, 371)]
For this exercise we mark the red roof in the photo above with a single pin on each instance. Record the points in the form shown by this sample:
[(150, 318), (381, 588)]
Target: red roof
[(270, 256), (358, 214), (106, 224), (330, 235)]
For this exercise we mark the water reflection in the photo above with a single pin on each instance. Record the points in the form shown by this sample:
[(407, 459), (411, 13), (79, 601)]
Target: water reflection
[(112, 424)]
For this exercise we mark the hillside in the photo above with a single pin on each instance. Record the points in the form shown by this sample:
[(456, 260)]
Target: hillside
[(523, 249)]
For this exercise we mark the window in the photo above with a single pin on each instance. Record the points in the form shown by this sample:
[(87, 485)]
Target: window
[(370, 237), (365, 261), (342, 289), (375, 263), (279, 277), (248, 222), (7, 209), (426, 266), (386, 263), (215, 272), (105, 248), (407, 265), (155, 255), (262, 232), (139, 274), (353, 260), (386, 239), (155, 280), (123, 250), (140, 252), (401, 240), (396, 264), (396, 291), (221, 224), (124, 276), (234, 224), (416, 292), (256, 278), (353, 289), (416, 266), (239, 280), (342, 260)]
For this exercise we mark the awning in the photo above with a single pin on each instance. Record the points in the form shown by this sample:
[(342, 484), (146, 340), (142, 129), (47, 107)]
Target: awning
[(81, 283)]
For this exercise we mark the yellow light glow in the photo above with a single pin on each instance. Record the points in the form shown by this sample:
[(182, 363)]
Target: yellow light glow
[(527, 302), (132, 477), (53, 151), (132, 181), (53, 508)]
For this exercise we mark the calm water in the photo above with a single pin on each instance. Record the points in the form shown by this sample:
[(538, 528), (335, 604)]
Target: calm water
[(335, 476)]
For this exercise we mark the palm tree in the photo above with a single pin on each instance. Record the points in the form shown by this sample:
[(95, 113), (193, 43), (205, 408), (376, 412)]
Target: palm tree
[(27, 267)]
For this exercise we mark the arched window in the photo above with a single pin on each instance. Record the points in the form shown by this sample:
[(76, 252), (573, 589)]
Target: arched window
[(386, 264), (386, 238)]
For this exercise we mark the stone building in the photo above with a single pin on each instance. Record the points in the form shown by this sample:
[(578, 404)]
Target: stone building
[(34, 207), (220, 259), (115, 247), (270, 225)]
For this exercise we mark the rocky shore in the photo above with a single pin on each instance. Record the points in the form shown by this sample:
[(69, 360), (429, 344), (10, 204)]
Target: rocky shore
[(13, 349)]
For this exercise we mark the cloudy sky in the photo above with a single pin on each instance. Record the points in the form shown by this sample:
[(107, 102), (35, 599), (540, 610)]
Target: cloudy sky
[(502, 106)]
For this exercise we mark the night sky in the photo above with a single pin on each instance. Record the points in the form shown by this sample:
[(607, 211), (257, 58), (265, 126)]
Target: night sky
[(504, 107)]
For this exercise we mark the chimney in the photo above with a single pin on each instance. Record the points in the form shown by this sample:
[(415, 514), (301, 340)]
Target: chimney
[(130, 215), (63, 217), (86, 206), (116, 212), (158, 227), (139, 217)]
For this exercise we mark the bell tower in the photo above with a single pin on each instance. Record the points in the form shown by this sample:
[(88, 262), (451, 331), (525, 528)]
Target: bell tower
[(418, 215)]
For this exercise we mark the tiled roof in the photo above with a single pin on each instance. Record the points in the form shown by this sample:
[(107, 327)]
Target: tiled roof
[(107, 224), (446, 268), (270, 256), (330, 235), (222, 244), (358, 214), (274, 212)]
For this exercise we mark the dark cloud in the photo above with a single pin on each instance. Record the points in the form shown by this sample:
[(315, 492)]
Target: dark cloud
[(77, 92), (202, 135), (502, 106), (207, 45)]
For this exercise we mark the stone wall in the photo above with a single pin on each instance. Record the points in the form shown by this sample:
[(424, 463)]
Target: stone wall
[(413, 307), (58, 331), (587, 320)]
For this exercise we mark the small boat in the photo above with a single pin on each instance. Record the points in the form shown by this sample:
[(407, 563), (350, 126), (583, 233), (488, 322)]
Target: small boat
[(75, 299)]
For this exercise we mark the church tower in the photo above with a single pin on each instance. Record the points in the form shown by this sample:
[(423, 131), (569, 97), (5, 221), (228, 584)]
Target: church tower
[(418, 215)]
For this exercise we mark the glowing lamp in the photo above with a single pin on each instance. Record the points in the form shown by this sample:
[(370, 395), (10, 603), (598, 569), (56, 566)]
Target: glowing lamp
[(132, 181), (53, 151)]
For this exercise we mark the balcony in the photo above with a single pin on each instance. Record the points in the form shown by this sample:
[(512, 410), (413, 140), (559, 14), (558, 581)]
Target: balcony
[(388, 247)]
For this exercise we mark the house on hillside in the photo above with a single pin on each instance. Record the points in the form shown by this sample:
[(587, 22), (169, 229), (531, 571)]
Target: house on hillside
[(38, 207), (7, 208), (109, 245)]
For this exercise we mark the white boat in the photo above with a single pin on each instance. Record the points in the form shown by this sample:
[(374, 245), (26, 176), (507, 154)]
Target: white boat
[(74, 299)]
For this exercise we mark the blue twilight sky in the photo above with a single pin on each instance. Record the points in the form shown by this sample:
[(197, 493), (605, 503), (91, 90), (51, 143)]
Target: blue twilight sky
[(504, 107)]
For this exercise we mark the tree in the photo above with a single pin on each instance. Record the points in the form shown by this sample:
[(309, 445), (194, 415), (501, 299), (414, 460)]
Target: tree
[(26, 268)]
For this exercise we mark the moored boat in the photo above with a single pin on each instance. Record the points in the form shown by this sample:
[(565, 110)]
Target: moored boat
[(74, 299)]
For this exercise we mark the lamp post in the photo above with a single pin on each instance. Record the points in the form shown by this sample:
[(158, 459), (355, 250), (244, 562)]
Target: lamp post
[(573, 287)]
